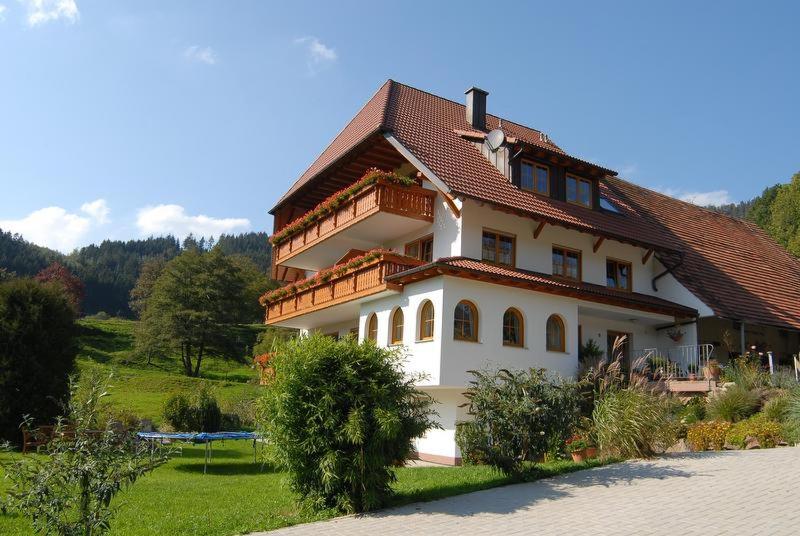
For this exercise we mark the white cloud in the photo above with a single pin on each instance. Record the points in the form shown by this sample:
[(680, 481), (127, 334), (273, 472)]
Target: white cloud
[(55, 228), (201, 54), (3, 10), (714, 197), (628, 169), (172, 219), (317, 53), (98, 210), (43, 11)]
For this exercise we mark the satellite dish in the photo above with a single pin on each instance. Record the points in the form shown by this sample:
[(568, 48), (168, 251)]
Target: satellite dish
[(495, 139)]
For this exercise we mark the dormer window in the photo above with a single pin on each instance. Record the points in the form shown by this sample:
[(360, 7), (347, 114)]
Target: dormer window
[(579, 191), (534, 177)]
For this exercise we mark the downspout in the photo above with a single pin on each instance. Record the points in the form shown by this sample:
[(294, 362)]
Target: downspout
[(669, 269)]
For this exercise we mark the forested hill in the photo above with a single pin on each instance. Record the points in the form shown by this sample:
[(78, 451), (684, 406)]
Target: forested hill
[(776, 210), (109, 270)]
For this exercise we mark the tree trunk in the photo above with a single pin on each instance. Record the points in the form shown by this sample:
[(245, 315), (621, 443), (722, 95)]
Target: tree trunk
[(199, 358), (186, 356)]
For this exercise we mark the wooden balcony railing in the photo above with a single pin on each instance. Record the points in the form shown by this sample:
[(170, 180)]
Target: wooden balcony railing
[(409, 201), (357, 282)]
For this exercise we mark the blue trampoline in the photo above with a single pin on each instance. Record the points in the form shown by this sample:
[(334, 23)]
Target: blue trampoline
[(207, 438)]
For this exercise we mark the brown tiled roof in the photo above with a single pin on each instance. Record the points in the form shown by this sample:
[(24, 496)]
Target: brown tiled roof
[(492, 273), (729, 264)]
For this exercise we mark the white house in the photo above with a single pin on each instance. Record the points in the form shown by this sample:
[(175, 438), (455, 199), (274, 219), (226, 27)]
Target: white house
[(507, 251)]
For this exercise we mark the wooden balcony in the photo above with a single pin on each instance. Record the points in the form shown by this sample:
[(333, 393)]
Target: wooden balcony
[(392, 210), (347, 287)]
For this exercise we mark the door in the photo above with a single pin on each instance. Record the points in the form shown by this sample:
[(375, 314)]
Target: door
[(611, 338)]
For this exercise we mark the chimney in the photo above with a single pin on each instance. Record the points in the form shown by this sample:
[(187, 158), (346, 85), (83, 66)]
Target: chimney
[(476, 107)]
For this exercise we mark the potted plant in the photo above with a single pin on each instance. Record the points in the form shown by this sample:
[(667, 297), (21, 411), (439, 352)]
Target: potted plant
[(577, 446), (675, 333), (712, 371), (691, 368)]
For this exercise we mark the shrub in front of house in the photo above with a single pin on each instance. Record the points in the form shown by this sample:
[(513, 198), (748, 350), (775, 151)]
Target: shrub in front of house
[(634, 422), (338, 417), (706, 435), (768, 433), (733, 404), (517, 417)]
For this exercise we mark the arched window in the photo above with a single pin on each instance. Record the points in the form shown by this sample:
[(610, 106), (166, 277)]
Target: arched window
[(426, 321), (396, 327), (513, 328), (465, 322), (555, 334), (372, 327)]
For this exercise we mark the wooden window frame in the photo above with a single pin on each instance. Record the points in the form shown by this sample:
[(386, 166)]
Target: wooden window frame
[(418, 242), (521, 319), (578, 180), (498, 234), (618, 263), (394, 341), (564, 250), (475, 323), (370, 319), (423, 321), (563, 340), (535, 166)]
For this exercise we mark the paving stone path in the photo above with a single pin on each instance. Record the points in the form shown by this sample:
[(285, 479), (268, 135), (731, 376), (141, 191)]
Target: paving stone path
[(745, 492)]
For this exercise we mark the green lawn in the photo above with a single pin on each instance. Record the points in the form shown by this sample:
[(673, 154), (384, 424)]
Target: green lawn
[(142, 388), (237, 496)]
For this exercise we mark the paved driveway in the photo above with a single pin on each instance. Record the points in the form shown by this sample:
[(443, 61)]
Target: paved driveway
[(748, 493)]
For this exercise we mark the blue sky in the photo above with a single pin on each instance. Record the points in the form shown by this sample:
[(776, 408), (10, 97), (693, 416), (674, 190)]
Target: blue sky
[(125, 119)]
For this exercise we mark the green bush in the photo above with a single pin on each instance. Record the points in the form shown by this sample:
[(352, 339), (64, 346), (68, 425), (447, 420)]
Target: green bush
[(706, 435), (633, 422), (693, 411), (37, 353), (777, 408), (746, 372), (518, 417), (733, 404), (196, 413), (339, 415), (792, 422), (469, 439), (767, 432)]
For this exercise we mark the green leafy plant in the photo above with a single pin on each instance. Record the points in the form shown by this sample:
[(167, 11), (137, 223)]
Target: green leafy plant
[(777, 407), (198, 412), (339, 415), (692, 411), (767, 432), (576, 444), (69, 491), (633, 422), (746, 372), (707, 435), (733, 404), (518, 417), (792, 421)]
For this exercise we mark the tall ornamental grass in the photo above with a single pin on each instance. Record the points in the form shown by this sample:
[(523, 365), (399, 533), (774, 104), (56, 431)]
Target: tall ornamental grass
[(338, 416)]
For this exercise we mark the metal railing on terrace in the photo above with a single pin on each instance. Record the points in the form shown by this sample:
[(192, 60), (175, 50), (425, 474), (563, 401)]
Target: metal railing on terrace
[(679, 362)]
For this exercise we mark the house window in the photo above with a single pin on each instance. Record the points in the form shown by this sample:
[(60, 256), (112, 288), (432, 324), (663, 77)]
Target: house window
[(579, 191), (498, 248), (618, 274), (421, 249), (513, 327), (396, 327), (372, 327), (567, 262), (465, 322), (426, 321), (556, 340), (534, 177)]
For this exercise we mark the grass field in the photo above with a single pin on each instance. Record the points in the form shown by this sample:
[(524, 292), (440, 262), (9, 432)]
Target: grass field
[(238, 496)]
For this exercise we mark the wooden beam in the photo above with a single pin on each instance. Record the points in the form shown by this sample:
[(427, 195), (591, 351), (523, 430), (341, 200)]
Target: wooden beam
[(598, 243), (538, 229), (647, 256)]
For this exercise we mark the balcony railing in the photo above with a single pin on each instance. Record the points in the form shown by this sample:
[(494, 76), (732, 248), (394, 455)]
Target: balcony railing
[(409, 201), (679, 362), (341, 286)]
